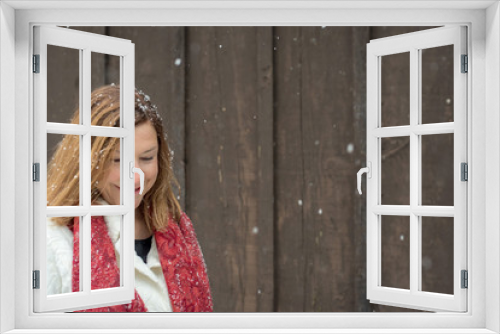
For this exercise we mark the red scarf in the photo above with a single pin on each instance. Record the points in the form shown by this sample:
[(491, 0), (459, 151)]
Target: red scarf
[(181, 261)]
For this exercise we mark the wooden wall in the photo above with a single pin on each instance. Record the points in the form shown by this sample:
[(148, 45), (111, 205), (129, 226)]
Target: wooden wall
[(268, 126)]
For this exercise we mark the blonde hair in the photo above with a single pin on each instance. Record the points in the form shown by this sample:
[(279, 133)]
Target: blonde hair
[(157, 205)]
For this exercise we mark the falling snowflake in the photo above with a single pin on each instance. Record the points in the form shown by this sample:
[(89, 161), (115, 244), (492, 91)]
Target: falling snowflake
[(350, 148)]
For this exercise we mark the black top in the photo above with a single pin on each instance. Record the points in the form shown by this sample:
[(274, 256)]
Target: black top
[(142, 248)]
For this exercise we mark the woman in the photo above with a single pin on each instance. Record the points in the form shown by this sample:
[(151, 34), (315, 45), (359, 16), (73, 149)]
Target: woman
[(170, 273)]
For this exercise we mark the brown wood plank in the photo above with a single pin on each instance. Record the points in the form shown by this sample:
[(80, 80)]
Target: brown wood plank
[(314, 165), (289, 172), (159, 72), (329, 172), (360, 37), (227, 121), (265, 161)]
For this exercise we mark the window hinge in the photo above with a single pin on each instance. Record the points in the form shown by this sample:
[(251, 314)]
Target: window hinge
[(36, 279), (465, 64), (36, 172), (36, 63), (465, 279), (464, 172)]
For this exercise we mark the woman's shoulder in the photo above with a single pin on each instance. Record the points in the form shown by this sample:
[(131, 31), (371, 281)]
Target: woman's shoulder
[(59, 257), (59, 242), (58, 233)]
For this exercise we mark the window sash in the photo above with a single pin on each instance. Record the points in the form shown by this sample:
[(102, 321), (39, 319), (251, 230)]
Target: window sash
[(414, 298), (86, 44)]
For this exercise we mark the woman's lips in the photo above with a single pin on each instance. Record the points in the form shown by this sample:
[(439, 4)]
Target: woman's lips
[(136, 189)]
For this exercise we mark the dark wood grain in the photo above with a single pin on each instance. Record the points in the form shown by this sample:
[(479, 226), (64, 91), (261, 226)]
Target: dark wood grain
[(265, 165), (360, 37), (314, 123), (289, 172), (229, 179), (327, 131)]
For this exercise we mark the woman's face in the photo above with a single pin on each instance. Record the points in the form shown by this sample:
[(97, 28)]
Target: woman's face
[(146, 158)]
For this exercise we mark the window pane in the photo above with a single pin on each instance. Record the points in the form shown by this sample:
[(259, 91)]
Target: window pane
[(106, 248), (395, 233), (63, 170), (395, 171), (437, 84), (105, 102), (63, 84), (437, 254), (437, 169), (395, 95), (61, 278), (106, 171)]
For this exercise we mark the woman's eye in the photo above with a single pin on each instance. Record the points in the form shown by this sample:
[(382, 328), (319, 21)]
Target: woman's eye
[(116, 160), (147, 158)]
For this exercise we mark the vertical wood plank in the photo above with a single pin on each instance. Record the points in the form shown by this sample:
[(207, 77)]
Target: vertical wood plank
[(360, 38), (227, 122), (315, 169), (265, 156), (327, 147), (289, 172)]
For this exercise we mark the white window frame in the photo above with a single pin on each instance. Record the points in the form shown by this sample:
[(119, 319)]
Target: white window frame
[(483, 21)]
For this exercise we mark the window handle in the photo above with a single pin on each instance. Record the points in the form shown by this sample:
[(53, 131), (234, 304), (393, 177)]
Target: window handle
[(139, 171), (368, 171)]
